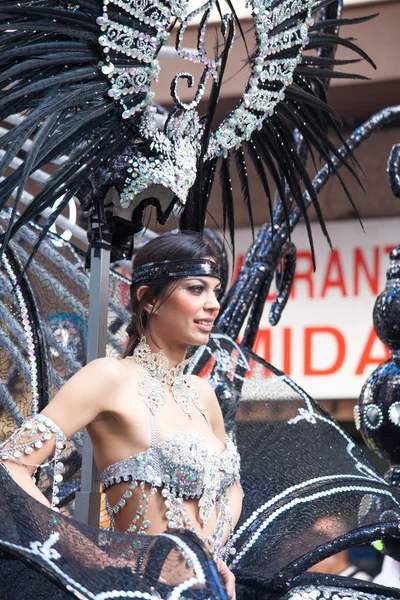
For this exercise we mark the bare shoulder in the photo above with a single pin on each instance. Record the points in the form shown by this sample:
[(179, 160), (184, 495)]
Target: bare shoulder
[(104, 369), (211, 405), (86, 395), (201, 384), (205, 391), (110, 377), (95, 382)]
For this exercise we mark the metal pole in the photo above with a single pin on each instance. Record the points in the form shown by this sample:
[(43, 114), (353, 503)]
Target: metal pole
[(87, 508)]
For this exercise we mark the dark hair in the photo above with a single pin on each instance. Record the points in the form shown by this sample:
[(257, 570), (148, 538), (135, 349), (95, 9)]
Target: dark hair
[(187, 245)]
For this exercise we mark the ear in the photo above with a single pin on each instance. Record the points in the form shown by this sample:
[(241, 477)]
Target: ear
[(140, 291), (149, 307)]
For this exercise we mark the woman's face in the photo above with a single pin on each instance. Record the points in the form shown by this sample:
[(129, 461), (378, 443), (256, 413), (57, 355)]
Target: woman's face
[(188, 314)]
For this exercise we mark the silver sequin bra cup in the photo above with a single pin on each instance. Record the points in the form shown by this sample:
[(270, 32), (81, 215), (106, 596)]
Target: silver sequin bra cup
[(182, 467)]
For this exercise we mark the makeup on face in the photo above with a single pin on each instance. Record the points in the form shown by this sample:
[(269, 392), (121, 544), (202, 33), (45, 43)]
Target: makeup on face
[(188, 315), (200, 285)]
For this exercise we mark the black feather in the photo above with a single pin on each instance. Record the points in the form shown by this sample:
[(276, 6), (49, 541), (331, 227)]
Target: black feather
[(46, 227), (49, 67), (266, 145), (318, 25), (244, 184), (318, 72), (327, 61), (326, 39), (227, 200), (196, 207), (259, 167), (46, 130)]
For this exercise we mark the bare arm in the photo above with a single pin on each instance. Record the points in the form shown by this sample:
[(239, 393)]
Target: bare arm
[(86, 395)]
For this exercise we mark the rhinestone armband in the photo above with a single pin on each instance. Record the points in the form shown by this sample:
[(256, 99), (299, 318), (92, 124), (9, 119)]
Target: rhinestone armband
[(30, 437)]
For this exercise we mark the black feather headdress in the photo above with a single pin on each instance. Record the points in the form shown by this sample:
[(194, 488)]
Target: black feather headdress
[(81, 75)]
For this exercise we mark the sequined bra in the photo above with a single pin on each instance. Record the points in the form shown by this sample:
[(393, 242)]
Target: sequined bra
[(182, 467), (182, 461)]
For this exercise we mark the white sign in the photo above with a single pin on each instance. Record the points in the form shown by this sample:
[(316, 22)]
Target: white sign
[(325, 339)]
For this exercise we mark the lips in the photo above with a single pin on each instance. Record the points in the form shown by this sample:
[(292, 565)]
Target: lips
[(205, 324)]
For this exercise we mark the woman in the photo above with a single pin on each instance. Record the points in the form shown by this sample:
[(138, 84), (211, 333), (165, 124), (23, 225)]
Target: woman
[(158, 436)]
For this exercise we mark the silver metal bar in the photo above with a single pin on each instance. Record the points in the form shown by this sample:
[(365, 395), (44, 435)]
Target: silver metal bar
[(87, 508), (39, 175), (78, 232)]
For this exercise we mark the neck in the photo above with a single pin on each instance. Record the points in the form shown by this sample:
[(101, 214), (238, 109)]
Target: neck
[(175, 353)]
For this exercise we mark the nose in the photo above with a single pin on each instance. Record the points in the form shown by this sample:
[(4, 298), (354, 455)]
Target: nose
[(212, 302)]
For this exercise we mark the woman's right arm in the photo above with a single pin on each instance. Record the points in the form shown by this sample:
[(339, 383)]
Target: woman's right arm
[(86, 395)]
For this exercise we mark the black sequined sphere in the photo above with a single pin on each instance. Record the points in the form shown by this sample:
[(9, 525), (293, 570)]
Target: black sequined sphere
[(387, 306), (379, 411)]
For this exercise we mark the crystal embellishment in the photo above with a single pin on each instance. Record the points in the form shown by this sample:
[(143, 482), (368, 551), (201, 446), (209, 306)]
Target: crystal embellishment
[(188, 470), (173, 159), (394, 413), (27, 325), (170, 157), (357, 417), (373, 416), (28, 439), (156, 376), (180, 466)]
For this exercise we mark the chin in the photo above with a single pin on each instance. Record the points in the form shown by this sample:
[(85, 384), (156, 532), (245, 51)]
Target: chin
[(204, 339), (200, 339)]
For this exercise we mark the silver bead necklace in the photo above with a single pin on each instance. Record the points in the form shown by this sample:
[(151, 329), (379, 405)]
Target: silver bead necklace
[(156, 376)]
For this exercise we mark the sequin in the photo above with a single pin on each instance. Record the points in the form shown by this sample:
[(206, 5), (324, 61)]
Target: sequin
[(174, 269), (186, 465), (172, 155), (325, 592), (155, 375), (394, 413), (30, 437), (179, 467), (28, 334)]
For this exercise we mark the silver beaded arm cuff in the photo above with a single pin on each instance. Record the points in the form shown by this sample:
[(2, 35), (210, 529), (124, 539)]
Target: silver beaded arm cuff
[(31, 437)]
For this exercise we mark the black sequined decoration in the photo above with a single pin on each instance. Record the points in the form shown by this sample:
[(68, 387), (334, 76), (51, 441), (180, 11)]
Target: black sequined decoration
[(174, 269), (394, 170), (378, 413), (250, 290)]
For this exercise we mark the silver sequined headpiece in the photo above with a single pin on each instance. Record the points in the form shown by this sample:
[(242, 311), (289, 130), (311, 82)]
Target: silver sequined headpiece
[(172, 160), (175, 269)]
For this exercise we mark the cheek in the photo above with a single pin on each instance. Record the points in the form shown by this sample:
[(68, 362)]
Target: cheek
[(184, 303)]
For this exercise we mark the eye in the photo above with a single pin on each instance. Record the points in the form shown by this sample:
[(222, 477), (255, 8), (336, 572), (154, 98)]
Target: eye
[(218, 293), (196, 289)]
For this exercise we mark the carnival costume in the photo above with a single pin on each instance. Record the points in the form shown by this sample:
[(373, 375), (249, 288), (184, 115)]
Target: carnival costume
[(179, 467), (297, 465), (82, 73)]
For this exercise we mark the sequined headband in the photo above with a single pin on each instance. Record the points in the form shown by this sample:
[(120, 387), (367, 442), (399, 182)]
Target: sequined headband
[(175, 269)]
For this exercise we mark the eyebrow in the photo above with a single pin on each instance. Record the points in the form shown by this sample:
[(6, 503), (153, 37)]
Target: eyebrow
[(188, 279)]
